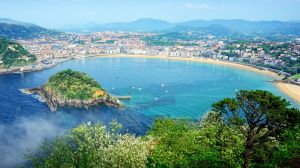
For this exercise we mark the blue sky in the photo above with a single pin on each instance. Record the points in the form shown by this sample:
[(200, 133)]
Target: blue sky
[(56, 13)]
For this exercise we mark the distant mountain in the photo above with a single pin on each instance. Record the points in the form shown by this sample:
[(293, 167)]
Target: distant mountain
[(20, 30), (249, 26), (228, 26), (141, 25), (214, 29), (14, 22)]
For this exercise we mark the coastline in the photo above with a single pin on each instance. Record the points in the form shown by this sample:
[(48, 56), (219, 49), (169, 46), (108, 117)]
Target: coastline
[(200, 60), (291, 90), (28, 68)]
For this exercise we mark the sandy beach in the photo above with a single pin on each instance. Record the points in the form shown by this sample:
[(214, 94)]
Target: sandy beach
[(201, 60), (291, 90)]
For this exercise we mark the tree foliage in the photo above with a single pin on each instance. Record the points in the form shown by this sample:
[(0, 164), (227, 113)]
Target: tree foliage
[(13, 54), (256, 125), (74, 85), (182, 143), (92, 146), (260, 116)]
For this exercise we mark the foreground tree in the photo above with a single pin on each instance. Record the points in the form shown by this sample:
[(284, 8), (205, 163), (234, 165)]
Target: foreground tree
[(287, 154), (188, 144), (260, 116), (92, 146)]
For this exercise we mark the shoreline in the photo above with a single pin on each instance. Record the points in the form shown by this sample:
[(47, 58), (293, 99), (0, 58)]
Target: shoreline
[(291, 90), (200, 60), (29, 68)]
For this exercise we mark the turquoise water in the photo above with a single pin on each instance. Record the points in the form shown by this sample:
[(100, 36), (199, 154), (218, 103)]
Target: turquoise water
[(158, 88)]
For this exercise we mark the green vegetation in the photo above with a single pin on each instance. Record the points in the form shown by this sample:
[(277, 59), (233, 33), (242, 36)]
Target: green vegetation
[(13, 54), (208, 143), (92, 146), (170, 39), (261, 117), (74, 85), (15, 31), (255, 129), (297, 76)]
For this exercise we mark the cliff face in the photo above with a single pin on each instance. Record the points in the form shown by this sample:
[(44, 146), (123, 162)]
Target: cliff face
[(55, 100)]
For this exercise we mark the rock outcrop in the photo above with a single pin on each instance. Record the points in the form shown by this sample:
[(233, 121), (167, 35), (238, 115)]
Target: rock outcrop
[(73, 89), (55, 100)]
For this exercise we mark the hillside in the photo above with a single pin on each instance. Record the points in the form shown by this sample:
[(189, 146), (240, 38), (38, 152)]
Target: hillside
[(12, 29), (14, 55), (74, 89)]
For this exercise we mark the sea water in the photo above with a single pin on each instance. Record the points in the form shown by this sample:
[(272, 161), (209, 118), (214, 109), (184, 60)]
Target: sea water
[(158, 87)]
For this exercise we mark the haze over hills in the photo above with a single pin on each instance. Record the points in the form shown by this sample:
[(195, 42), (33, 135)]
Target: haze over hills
[(146, 24), (21, 30), (14, 22), (153, 25), (13, 29)]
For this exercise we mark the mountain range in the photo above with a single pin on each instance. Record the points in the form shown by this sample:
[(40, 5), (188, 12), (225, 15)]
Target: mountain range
[(154, 25), (20, 30)]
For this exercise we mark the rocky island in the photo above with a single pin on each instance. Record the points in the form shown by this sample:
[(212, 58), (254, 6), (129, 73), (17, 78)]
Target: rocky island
[(73, 89)]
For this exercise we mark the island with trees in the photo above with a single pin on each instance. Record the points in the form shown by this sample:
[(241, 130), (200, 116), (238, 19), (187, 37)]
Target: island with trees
[(74, 89)]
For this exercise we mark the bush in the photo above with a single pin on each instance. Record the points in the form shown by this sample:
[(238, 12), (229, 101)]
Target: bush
[(91, 146), (190, 144)]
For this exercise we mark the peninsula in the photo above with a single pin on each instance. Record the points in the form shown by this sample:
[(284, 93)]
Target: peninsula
[(70, 88)]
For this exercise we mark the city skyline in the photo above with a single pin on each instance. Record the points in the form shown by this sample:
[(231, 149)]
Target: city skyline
[(55, 13)]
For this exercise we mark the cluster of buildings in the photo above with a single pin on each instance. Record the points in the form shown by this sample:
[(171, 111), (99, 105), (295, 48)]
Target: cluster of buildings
[(273, 54), (74, 45), (71, 45)]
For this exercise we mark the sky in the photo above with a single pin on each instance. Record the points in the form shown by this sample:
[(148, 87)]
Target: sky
[(57, 13)]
